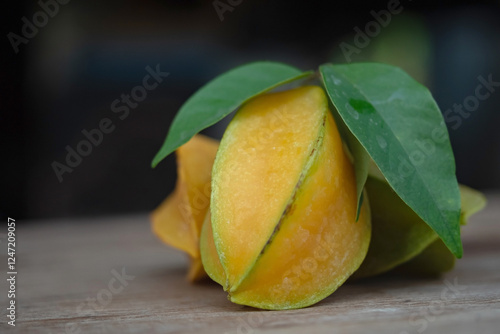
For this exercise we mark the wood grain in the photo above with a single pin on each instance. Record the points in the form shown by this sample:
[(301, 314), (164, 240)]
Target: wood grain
[(63, 266)]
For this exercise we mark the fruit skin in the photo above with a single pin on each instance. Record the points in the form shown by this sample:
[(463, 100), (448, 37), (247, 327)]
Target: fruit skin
[(178, 220), (209, 256), (283, 204)]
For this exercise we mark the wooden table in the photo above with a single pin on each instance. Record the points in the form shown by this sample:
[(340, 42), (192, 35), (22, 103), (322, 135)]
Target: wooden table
[(111, 275)]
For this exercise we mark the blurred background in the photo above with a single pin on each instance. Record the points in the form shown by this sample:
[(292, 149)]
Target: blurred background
[(65, 63)]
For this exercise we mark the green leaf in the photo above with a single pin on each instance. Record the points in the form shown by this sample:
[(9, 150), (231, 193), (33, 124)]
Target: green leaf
[(359, 156), (398, 233), (436, 258), (220, 97), (399, 124), (433, 261), (400, 238)]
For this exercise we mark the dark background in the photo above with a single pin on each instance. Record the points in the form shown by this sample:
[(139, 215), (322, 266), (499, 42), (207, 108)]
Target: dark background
[(65, 78)]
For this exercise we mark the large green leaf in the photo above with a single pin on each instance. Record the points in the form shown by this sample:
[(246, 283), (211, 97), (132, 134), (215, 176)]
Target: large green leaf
[(358, 155), (398, 233), (220, 97), (433, 261), (400, 238), (436, 258), (399, 124)]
